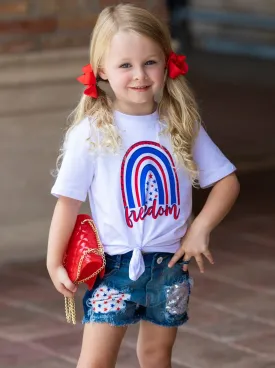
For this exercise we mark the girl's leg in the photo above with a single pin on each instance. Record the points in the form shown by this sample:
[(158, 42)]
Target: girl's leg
[(100, 345), (155, 344)]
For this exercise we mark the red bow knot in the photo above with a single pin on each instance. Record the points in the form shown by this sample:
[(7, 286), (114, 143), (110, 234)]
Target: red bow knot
[(89, 80), (176, 65)]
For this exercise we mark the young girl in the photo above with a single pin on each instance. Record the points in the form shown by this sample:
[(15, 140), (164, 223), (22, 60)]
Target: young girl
[(137, 160)]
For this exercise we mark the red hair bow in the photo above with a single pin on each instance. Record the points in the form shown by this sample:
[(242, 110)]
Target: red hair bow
[(89, 80), (176, 65)]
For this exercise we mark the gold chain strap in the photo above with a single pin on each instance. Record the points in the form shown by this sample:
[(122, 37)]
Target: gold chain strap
[(70, 311)]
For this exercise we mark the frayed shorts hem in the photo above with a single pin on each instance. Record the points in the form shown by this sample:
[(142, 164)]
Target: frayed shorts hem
[(135, 321), (110, 322)]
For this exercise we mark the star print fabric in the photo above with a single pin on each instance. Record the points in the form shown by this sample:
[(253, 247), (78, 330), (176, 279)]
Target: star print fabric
[(106, 300), (151, 189)]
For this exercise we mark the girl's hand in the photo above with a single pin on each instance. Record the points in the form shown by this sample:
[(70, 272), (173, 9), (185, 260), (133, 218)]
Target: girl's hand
[(61, 281), (194, 244)]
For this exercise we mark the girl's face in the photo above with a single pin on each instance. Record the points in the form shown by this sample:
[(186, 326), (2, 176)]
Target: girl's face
[(135, 67)]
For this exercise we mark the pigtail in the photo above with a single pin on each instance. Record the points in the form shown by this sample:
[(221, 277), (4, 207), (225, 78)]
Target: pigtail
[(179, 109), (103, 114), (100, 109)]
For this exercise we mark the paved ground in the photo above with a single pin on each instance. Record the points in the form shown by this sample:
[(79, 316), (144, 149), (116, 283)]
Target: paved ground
[(232, 321), (232, 308)]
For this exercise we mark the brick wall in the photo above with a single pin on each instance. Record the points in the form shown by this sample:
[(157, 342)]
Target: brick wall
[(33, 25)]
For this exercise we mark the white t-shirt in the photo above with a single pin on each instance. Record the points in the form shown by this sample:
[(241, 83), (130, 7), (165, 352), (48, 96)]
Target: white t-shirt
[(140, 199)]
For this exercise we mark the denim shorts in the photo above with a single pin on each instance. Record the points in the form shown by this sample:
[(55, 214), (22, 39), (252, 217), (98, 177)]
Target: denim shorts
[(160, 295)]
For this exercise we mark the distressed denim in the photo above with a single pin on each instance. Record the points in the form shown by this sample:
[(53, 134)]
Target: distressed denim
[(160, 295)]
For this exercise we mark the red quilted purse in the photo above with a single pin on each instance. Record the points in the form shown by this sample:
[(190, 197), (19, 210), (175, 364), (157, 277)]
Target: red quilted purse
[(84, 259)]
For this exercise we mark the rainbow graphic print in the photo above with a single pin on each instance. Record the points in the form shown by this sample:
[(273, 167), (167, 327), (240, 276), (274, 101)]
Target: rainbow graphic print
[(149, 183)]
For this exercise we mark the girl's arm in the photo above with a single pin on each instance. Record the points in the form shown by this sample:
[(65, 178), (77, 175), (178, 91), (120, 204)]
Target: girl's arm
[(218, 204), (63, 222)]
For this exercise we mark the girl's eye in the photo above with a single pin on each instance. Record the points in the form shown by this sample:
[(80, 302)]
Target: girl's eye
[(126, 65), (150, 62)]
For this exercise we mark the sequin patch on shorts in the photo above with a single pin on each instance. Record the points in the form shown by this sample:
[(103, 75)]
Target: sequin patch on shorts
[(177, 296)]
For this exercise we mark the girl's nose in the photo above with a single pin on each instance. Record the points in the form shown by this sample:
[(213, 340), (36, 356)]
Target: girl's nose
[(139, 74)]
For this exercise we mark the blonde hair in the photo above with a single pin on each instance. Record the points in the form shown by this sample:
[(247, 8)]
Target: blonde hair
[(177, 106)]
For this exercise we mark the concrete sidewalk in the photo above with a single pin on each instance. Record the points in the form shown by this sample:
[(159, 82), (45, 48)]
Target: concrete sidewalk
[(232, 306)]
